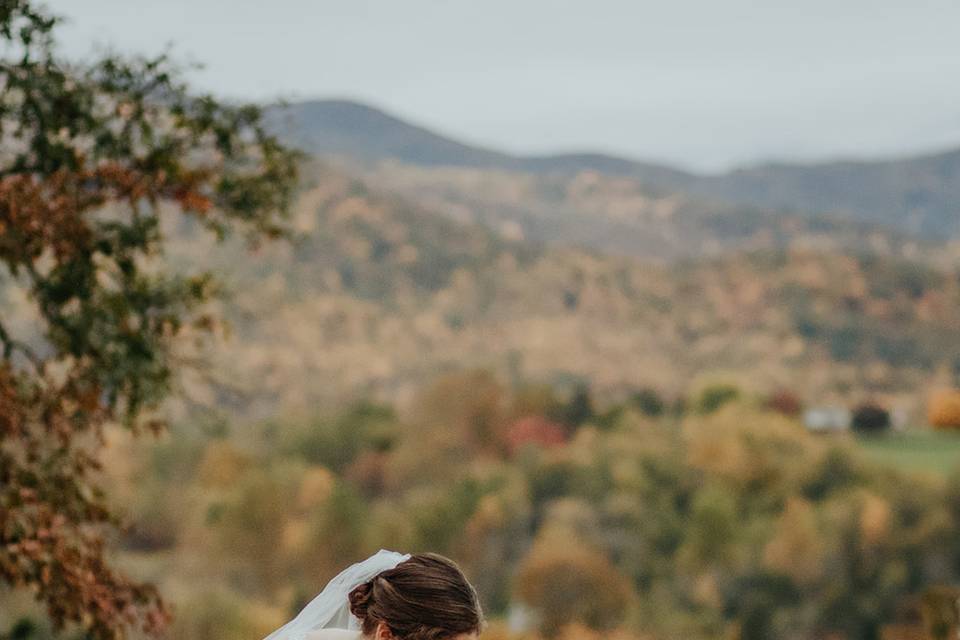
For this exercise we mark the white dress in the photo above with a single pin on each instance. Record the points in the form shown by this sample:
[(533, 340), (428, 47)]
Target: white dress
[(334, 634)]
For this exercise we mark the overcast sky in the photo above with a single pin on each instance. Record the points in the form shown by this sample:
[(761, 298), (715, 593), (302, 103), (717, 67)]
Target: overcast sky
[(706, 84)]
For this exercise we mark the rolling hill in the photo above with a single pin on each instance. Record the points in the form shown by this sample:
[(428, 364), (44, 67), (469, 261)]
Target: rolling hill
[(342, 127), (915, 195)]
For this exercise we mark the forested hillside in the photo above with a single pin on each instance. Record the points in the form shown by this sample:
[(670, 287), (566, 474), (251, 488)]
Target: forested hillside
[(377, 294), (624, 216)]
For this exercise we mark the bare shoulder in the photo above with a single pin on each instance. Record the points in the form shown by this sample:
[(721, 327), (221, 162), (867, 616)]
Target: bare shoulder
[(333, 634)]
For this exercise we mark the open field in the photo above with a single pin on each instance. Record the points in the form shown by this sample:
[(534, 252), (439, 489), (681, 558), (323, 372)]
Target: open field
[(917, 450)]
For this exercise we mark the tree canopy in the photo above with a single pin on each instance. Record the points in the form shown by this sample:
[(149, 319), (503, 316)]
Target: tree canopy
[(93, 157)]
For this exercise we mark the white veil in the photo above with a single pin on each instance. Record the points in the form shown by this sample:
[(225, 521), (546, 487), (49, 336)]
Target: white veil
[(331, 609)]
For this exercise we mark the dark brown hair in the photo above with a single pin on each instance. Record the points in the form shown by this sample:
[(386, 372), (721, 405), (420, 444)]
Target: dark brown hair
[(424, 598)]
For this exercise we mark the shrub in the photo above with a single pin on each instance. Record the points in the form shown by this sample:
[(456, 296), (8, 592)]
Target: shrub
[(222, 465), (566, 582), (785, 402), (941, 617), (944, 410), (534, 430), (648, 402), (156, 525), (579, 408), (223, 615), (870, 418), (715, 396), (536, 400), (249, 522), (336, 443), (469, 405)]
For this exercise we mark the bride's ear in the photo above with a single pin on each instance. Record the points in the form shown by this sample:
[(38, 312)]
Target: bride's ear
[(383, 632)]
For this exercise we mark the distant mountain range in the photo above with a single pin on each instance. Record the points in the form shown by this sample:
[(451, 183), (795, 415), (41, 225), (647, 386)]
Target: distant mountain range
[(919, 195)]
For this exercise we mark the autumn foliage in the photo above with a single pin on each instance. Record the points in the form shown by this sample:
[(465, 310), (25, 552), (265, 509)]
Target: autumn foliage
[(91, 158), (785, 402), (566, 582), (535, 431), (944, 410)]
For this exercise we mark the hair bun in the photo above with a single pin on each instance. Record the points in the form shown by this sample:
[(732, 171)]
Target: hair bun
[(360, 598)]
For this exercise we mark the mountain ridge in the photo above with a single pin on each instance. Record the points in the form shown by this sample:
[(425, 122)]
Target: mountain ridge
[(323, 127), (917, 194)]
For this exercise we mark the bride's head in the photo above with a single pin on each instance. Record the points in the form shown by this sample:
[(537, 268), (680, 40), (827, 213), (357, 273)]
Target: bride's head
[(425, 597)]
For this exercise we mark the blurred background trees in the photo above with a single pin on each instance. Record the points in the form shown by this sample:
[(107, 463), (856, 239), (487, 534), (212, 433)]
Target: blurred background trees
[(564, 581), (738, 524), (944, 410), (870, 418)]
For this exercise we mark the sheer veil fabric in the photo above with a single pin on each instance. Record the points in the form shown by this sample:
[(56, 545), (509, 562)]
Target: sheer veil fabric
[(331, 609)]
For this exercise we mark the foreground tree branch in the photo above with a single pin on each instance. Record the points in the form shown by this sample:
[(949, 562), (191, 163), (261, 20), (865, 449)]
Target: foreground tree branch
[(90, 155)]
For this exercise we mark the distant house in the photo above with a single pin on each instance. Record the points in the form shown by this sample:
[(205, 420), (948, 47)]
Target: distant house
[(827, 419), (521, 619), (899, 419)]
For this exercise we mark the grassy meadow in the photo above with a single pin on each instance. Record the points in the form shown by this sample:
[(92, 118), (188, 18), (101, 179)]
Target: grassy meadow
[(917, 449)]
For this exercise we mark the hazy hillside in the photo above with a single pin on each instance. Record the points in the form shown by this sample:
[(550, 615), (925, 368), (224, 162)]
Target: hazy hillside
[(917, 195), (920, 195), (380, 295), (623, 216)]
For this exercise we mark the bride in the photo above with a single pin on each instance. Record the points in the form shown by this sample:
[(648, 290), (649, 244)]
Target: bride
[(391, 596)]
